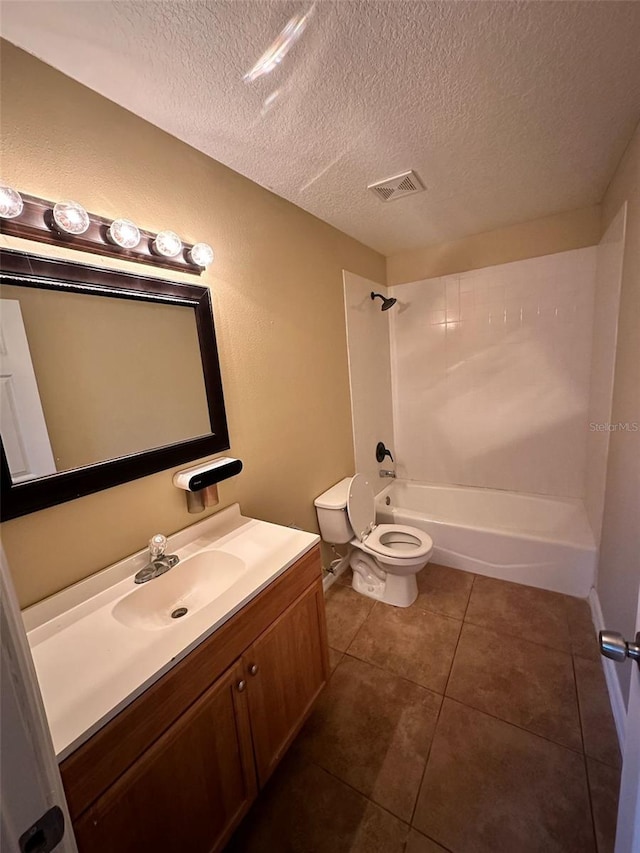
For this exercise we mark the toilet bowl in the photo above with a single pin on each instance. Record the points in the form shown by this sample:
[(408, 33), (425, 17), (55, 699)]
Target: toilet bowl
[(385, 558)]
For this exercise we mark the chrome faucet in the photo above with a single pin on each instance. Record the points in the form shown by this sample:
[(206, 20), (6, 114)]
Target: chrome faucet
[(159, 562), (386, 472)]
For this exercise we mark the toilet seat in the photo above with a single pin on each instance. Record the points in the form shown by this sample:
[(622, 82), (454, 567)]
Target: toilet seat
[(399, 541), (393, 542)]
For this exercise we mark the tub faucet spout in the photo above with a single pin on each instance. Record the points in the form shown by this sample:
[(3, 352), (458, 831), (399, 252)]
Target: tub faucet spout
[(386, 472)]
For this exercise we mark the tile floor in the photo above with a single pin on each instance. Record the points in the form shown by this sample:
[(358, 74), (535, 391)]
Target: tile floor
[(475, 720)]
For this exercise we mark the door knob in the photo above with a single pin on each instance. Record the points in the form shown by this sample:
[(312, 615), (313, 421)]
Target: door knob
[(241, 685), (253, 669), (613, 645)]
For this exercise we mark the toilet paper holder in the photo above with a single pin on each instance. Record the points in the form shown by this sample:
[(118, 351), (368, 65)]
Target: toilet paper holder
[(201, 481)]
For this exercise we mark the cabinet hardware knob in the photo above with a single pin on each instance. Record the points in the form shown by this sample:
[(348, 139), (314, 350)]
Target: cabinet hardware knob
[(241, 685), (253, 669)]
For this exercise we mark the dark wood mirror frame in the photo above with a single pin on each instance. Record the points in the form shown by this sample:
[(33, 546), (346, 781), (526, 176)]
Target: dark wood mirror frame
[(23, 269)]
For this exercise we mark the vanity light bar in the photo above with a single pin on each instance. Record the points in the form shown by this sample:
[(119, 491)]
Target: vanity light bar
[(68, 223)]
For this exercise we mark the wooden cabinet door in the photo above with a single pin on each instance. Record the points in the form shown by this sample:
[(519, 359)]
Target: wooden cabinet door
[(286, 668), (189, 790)]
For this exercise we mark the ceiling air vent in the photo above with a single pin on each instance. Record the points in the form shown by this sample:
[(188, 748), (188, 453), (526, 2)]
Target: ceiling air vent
[(399, 186)]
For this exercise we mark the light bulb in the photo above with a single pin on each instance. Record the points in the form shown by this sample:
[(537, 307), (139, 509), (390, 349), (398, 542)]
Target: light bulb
[(124, 233), (71, 217), (201, 255), (11, 203), (168, 244)]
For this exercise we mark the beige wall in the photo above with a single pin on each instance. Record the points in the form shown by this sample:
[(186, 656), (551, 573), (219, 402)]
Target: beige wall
[(278, 302), (619, 569), (560, 232)]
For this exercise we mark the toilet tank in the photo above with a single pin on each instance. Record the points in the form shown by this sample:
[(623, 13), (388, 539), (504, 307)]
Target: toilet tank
[(331, 509)]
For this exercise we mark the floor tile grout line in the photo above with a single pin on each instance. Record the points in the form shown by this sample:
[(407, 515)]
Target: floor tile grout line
[(464, 618), (428, 753), (577, 693), (520, 639), (584, 757), (394, 674), (453, 658), (361, 626), (473, 582), (378, 805), (512, 634), (588, 660), (424, 608), (431, 838), (455, 651), (617, 766), (530, 731), (359, 792), (435, 728), (426, 763), (444, 695), (516, 636), (618, 769), (516, 726)]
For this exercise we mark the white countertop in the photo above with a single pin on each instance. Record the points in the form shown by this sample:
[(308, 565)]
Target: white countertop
[(90, 665)]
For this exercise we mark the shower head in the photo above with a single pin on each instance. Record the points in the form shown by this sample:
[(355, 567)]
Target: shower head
[(386, 303)]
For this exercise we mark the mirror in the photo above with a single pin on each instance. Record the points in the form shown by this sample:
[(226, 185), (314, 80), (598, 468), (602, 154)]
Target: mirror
[(104, 377)]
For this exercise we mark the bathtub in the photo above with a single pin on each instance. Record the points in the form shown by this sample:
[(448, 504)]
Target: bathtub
[(540, 541)]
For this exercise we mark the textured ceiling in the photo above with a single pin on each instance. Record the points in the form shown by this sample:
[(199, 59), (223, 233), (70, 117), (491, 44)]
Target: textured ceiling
[(507, 111)]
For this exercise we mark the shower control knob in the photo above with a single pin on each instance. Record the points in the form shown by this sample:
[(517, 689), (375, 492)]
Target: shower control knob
[(613, 645), (382, 452)]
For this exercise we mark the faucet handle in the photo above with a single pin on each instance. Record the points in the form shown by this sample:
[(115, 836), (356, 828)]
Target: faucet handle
[(157, 546), (382, 453)]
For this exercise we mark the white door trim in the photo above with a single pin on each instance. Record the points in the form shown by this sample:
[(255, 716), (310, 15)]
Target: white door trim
[(38, 773), (611, 674)]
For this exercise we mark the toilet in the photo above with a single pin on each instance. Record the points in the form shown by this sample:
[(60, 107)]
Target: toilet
[(385, 558)]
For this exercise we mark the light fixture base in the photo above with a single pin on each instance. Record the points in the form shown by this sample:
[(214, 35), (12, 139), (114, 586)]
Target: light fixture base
[(36, 220)]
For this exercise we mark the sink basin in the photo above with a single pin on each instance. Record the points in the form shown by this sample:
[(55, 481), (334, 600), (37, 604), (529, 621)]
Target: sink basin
[(182, 591)]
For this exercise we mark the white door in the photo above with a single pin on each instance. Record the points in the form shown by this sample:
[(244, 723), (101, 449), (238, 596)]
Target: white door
[(22, 424), (30, 783), (614, 646), (628, 831)]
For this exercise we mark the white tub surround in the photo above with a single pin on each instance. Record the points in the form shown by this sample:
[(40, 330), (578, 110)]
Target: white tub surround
[(490, 374), (369, 375), (603, 357), (95, 650), (538, 541)]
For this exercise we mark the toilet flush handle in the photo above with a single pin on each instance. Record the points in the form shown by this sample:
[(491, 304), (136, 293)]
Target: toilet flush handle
[(382, 452)]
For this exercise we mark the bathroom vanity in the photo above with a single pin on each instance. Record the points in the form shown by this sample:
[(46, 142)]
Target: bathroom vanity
[(166, 729)]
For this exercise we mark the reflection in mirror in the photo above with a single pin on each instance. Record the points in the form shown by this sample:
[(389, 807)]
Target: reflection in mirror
[(105, 376), (87, 378)]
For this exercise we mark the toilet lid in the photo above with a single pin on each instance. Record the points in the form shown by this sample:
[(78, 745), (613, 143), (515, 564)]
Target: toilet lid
[(361, 506)]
